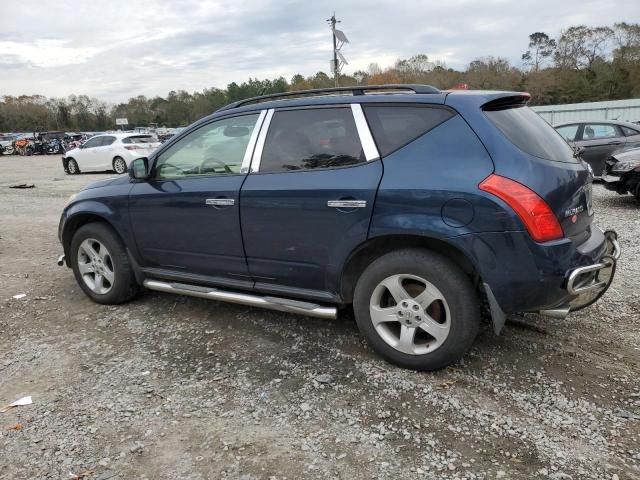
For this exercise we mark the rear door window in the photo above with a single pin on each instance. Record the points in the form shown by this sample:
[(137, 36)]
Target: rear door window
[(394, 126), (310, 139), (593, 131), (629, 132), (530, 133), (106, 141)]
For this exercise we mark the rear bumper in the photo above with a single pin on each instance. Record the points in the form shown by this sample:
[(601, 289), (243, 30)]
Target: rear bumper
[(525, 276), (587, 284)]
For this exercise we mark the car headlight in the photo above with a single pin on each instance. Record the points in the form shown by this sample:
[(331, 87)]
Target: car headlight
[(625, 166)]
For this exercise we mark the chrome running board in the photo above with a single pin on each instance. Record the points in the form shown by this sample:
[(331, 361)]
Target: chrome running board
[(272, 303), (559, 312)]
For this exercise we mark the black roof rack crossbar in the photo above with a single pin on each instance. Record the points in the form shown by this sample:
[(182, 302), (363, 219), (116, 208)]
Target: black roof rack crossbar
[(355, 90)]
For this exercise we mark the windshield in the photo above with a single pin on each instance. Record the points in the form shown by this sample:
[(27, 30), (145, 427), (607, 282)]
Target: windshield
[(531, 134)]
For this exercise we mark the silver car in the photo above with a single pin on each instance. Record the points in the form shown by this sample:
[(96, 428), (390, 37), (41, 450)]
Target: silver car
[(598, 140)]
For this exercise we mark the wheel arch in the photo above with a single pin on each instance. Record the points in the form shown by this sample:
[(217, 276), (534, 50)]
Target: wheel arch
[(374, 248), (73, 223)]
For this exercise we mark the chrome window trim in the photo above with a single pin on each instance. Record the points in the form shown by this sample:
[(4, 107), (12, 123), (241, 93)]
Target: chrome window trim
[(248, 154), (366, 138), (257, 152)]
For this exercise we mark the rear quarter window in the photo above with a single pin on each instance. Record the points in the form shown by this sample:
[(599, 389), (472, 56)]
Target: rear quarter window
[(394, 126), (530, 133)]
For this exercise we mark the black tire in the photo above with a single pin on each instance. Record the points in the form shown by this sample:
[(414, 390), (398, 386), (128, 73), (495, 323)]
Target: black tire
[(124, 287), (72, 167), (119, 167), (454, 285)]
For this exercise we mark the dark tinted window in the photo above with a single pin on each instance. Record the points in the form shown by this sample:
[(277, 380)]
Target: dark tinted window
[(531, 134), (310, 139), (93, 142), (395, 126), (105, 141), (630, 131)]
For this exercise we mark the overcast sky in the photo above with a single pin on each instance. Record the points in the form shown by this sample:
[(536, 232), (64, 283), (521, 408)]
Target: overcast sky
[(117, 49)]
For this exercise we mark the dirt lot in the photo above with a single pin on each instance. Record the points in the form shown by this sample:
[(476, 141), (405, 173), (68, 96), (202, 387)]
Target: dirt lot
[(175, 387)]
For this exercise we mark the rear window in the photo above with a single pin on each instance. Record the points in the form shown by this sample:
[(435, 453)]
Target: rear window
[(393, 127), (139, 139), (629, 132), (531, 134)]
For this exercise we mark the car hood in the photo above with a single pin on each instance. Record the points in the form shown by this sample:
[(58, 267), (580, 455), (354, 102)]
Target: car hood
[(119, 180)]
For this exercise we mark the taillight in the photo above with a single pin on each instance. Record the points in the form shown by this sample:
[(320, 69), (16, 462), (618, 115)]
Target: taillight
[(537, 216), (133, 147)]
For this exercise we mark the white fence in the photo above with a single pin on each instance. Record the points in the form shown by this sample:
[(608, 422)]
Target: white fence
[(626, 110)]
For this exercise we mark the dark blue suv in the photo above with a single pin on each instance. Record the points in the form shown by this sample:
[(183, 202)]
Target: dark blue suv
[(416, 206)]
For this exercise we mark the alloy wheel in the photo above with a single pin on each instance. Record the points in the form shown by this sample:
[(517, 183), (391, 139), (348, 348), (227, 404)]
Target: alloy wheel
[(410, 314), (96, 266), (119, 166)]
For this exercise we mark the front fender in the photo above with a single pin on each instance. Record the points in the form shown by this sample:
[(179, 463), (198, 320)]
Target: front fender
[(112, 210)]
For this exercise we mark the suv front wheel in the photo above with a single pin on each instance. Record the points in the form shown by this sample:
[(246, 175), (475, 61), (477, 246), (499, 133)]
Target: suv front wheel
[(101, 265), (417, 309)]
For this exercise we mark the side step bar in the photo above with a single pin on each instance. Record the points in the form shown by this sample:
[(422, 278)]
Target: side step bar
[(272, 303)]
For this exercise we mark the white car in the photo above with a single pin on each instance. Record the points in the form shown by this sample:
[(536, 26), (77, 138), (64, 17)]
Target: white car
[(109, 151)]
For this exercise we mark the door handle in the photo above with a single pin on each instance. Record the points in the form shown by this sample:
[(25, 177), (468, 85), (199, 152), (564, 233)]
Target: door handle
[(220, 202), (347, 203)]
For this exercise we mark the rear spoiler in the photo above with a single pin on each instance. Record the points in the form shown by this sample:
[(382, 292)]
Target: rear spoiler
[(509, 101)]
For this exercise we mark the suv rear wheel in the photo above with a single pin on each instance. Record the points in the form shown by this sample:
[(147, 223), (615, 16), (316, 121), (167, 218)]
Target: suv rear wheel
[(101, 265), (417, 309)]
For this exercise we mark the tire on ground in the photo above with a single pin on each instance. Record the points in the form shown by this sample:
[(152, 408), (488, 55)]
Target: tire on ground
[(124, 286), (75, 169), (454, 285), (114, 165)]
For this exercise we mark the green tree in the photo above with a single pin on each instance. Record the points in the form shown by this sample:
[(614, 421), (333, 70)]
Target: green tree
[(541, 48)]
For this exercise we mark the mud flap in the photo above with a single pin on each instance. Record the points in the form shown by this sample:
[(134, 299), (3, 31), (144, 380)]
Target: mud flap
[(498, 317)]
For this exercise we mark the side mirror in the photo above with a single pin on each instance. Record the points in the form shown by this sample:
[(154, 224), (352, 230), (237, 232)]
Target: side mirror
[(139, 168)]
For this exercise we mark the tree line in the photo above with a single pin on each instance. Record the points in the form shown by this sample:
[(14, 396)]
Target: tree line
[(582, 64)]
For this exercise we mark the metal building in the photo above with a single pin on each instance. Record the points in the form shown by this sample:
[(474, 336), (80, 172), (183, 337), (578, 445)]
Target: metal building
[(627, 110)]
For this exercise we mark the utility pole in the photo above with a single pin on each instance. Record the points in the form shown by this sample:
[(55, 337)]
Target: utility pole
[(335, 48), (339, 39)]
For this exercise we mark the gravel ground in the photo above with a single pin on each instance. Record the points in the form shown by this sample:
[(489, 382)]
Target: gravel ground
[(174, 387)]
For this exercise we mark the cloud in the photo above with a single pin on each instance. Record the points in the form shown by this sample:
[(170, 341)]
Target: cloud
[(118, 49)]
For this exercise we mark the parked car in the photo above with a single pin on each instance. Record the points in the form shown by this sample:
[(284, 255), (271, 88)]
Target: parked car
[(6, 144), (598, 140), (113, 151), (622, 174), (413, 205)]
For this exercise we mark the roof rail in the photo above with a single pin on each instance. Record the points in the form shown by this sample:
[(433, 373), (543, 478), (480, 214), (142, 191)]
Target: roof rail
[(355, 90)]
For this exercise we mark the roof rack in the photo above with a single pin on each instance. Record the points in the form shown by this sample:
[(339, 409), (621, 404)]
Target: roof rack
[(355, 90)]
